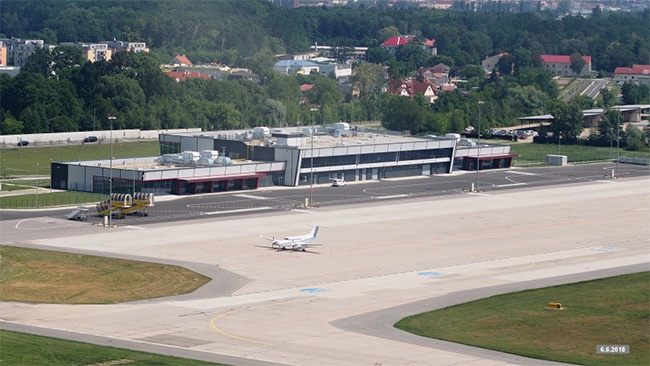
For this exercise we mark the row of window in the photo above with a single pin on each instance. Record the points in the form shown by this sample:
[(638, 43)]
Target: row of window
[(395, 156)]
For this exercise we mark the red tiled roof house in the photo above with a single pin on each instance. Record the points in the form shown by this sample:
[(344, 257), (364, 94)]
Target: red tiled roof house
[(560, 65)]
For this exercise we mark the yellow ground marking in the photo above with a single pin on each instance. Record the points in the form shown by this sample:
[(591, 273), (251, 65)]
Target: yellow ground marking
[(246, 309)]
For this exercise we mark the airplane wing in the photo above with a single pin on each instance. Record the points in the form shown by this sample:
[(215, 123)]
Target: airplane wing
[(265, 238)]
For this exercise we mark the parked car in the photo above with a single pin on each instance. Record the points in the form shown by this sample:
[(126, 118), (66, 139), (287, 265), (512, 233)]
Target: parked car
[(338, 183), (90, 139), (23, 143)]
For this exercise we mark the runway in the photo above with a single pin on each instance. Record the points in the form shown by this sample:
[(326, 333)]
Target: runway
[(300, 308)]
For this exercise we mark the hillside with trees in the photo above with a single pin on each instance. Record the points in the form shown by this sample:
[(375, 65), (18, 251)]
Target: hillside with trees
[(58, 91)]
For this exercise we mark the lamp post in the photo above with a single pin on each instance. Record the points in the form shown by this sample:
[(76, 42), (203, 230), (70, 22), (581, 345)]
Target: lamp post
[(618, 142), (311, 171), (111, 117), (36, 185), (478, 150), (559, 143)]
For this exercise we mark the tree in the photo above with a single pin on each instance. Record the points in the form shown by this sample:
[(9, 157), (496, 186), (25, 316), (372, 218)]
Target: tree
[(378, 55), (412, 55), (11, 126), (370, 78), (276, 112), (402, 114), (505, 66), (325, 91), (577, 63), (635, 94), (567, 119), (38, 63), (607, 127), (385, 33)]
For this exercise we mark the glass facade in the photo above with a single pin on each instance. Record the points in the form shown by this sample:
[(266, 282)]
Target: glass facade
[(182, 187), (170, 148), (322, 161), (102, 185)]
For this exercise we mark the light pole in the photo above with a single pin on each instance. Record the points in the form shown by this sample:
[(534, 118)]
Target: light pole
[(478, 150), (311, 171), (111, 117), (559, 143), (36, 185), (134, 171), (618, 142)]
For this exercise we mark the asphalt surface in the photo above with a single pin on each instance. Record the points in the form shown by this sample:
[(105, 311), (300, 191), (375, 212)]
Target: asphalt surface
[(169, 209)]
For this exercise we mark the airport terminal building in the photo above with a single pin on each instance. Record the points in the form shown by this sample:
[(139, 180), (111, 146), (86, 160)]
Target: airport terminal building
[(203, 162)]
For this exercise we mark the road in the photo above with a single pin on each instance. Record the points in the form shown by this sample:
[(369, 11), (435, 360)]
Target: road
[(595, 87), (283, 199)]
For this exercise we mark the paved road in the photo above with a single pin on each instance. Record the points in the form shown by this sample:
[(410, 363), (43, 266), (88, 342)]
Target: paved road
[(283, 199), (595, 87), (378, 256)]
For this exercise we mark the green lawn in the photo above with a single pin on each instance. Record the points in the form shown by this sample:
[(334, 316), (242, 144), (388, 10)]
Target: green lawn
[(42, 276), (608, 311), (23, 161), (535, 154), (67, 198), (20, 349)]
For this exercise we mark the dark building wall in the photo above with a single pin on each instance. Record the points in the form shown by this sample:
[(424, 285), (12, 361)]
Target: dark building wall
[(59, 176), (234, 149)]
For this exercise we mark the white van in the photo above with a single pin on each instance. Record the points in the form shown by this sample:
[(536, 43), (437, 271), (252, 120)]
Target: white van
[(338, 182)]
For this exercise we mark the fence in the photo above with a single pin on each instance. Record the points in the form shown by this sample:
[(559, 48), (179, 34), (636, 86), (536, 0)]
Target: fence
[(49, 200)]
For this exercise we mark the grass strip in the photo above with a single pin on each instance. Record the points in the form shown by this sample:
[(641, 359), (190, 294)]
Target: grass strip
[(31, 350), (24, 161), (607, 311), (42, 276)]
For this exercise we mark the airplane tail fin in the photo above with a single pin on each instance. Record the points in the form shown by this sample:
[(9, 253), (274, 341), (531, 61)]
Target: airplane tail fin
[(315, 231)]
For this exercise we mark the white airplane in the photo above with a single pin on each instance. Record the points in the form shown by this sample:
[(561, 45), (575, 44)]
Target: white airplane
[(300, 242)]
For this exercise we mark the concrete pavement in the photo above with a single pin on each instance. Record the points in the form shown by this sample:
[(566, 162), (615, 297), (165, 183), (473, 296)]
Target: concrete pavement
[(295, 306)]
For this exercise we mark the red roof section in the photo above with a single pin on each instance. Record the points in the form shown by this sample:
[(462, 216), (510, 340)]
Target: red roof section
[(635, 69), (306, 87), (183, 60), (561, 59), (398, 40), (184, 75)]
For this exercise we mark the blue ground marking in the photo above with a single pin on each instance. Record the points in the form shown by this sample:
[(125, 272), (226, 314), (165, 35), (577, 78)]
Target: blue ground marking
[(312, 290), (430, 274), (605, 249)]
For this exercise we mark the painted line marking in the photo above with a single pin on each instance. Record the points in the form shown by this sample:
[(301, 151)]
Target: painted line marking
[(212, 322), (252, 197), (240, 210), (388, 197), (509, 185), (521, 173)]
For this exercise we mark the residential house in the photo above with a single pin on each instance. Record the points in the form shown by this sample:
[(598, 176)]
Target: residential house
[(338, 70), (393, 44), (91, 51), (135, 47), (639, 74), (560, 65), (438, 75), (23, 48), (184, 75), (243, 74), (490, 62), (293, 67), (3, 54), (181, 60), (411, 88)]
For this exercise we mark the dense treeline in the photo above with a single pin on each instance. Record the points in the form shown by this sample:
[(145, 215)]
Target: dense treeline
[(57, 91), (231, 31)]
